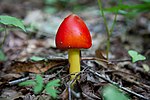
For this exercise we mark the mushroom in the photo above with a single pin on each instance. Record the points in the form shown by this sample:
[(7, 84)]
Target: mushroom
[(73, 35)]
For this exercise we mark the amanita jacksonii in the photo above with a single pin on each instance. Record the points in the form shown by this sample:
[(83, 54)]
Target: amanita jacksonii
[(73, 35)]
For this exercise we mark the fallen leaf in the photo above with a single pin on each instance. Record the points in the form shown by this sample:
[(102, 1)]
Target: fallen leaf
[(11, 94), (100, 54), (10, 76), (36, 67), (146, 67), (64, 94)]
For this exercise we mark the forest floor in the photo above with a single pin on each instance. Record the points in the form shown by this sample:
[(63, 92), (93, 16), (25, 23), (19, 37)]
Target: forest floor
[(39, 40)]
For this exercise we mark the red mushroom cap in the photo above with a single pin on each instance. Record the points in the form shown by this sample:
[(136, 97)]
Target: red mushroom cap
[(73, 33)]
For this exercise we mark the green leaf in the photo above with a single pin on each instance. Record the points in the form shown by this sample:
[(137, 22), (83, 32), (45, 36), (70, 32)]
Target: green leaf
[(27, 83), (35, 58), (146, 67), (8, 20), (136, 56), (53, 83), (146, 1), (137, 7), (52, 92), (2, 29), (39, 79), (2, 56), (38, 88), (50, 88), (39, 84), (110, 92), (50, 1), (50, 9)]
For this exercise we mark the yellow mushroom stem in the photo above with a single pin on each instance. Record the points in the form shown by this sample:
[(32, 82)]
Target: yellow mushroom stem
[(74, 61)]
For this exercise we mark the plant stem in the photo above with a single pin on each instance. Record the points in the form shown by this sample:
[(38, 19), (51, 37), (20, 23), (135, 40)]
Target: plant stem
[(114, 22), (6, 33), (107, 29), (74, 61), (109, 32)]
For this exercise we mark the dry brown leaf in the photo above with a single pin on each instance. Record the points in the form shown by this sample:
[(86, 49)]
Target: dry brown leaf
[(10, 76), (64, 94), (100, 54), (35, 67), (88, 92), (11, 94)]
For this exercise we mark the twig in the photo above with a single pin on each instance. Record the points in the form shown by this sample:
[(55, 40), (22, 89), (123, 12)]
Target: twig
[(95, 58), (87, 96), (78, 74), (119, 86), (103, 60), (69, 91), (55, 58), (120, 60), (77, 95), (18, 81), (138, 69), (121, 74)]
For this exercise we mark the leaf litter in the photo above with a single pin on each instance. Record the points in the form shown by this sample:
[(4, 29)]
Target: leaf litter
[(134, 77)]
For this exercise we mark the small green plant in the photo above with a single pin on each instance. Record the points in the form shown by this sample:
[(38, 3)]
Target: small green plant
[(39, 86), (132, 9), (9, 21), (2, 56), (111, 92), (108, 30), (53, 6), (127, 10), (136, 56), (6, 21)]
